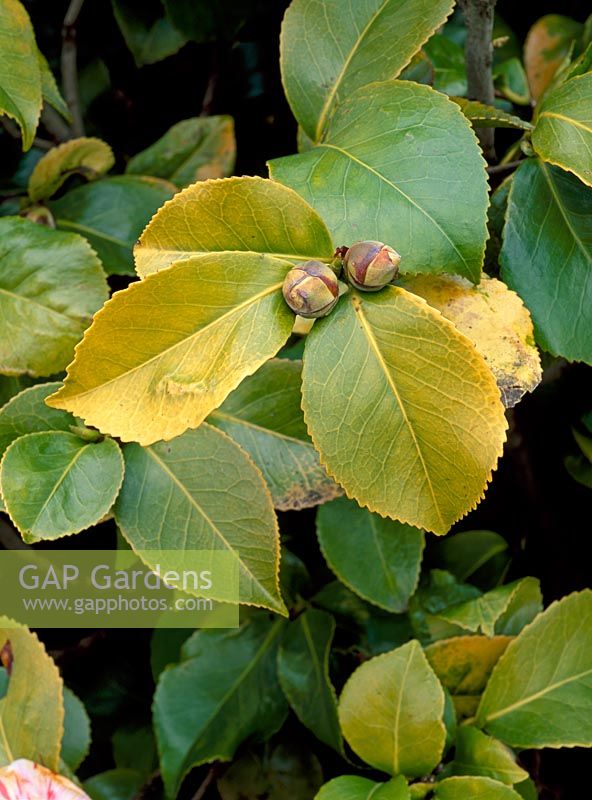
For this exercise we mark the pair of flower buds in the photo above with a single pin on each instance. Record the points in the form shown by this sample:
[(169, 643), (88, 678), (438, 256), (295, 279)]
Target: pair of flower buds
[(312, 289)]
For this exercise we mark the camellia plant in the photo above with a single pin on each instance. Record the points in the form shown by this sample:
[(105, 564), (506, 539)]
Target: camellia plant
[(348, 333)]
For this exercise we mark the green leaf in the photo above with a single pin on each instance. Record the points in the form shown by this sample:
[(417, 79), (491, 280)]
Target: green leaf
[(263, 415), (504, 610), (11, 386), (526, 602), (303, 671), (540, 692), (20, 77), (409, 382), (202, 492), (114, 784), (32, 711), (547, 256), (377, 558), (192, 150), (549, 41), (463, 664), (478, 556), (475, 788), (26, 413), (165, 648), (213, 321), (289, 771), (149, 38), (511, 81), (111, 214), (49, 88), (527, 790), (76, 741), (351, 787), (375, 631), (437, 591), (330, 50), (3, 682), (563, 132), (391, 712), (484, 116), (90, 158), (448, 64), (50, 285), (479, 754), (134, 747), (409, 173), (495, 320), (203, 21), (55, 483), (246, 215), (225, 691)]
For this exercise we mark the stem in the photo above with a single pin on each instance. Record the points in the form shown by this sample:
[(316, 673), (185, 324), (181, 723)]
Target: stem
[(12, 130), (213, 773), (479, 17), (504, 167), (69, 67)]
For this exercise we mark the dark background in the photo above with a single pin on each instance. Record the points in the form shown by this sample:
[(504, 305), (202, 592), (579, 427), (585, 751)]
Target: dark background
[(533, 502)]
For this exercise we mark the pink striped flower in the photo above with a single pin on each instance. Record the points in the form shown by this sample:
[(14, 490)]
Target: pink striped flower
[(24, 780)]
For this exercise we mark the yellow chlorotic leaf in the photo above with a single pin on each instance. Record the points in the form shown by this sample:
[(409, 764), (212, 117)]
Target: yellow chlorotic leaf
[(463, 664), (404, 411), (495, 319), (391, 712), (32, 712), (162, 354), (20, 75), (548, 43), (250, 215), (88, 157)]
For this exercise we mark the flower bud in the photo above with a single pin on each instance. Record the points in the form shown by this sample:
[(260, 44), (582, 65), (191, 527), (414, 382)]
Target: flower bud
[(311, 289), (371, 265), (25, 780)]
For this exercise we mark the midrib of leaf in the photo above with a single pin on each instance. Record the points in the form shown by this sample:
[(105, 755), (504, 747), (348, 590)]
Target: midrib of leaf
[(5, 744), (217, 414), (47, 309), (536, 695), (184, 255), (559, 203), (495, 550), (59, 482), (335, 88), (76, 226), (374, 345), (234, 310), (186, 160), (394, 186), (162, 464), (265, 645), (570, 120), (492, 770), (389, 578), (398, 714)]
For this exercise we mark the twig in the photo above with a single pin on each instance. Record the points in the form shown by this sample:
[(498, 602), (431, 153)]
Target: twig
[(207, 782), (504, 167), (69, 67), (12, 130), (55, 125), (479, 17), (212, 85), (146, 789)]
